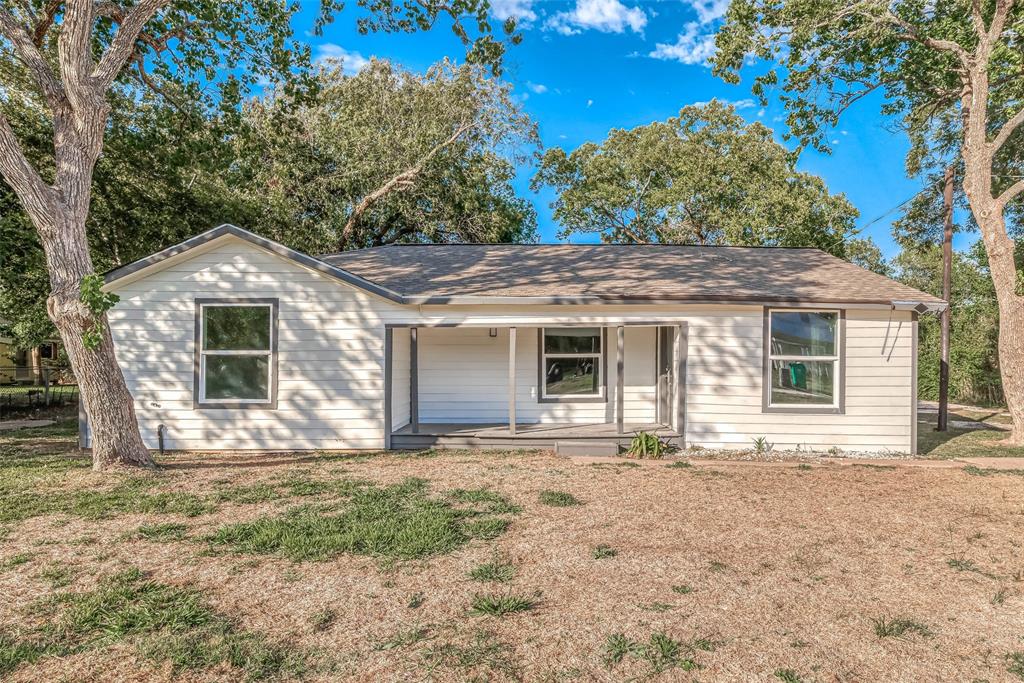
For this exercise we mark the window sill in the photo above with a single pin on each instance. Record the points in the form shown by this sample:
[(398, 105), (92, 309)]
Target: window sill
[(795, 410), (243, 405), (572, 399)]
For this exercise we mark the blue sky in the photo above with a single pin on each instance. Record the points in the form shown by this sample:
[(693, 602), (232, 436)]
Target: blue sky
[(587, 66)]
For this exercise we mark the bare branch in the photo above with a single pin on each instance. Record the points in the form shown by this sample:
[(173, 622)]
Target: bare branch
[(403, 180), (977, 18), (123, 45), (1007, 130), (32, 58), (73, 47), (1011, 192), (45, 22), (1003, 8), (19, 173)]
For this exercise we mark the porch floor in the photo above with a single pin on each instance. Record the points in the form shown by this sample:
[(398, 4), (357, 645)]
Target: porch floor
[(531, 435)]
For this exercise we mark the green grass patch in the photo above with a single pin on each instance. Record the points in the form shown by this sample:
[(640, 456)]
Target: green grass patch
[(788, 676), (498, 572), (401, 522), (991, 471), (15, 561), (898, 627), (558, 499), (682, 589), (321, 620), (1015, 664), (489, 500), (402, 639), (485, 658), (500, 605), (168, 531), (58, 575), (964, 565), (247, 495), (603, 551), (680, 465), (164, 623), (660, 653)]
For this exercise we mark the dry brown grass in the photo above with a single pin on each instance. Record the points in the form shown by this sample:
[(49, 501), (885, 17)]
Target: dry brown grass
[(790, 569)]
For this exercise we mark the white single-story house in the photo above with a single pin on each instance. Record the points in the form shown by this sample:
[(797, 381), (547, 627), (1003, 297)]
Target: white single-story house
[(233, 341)]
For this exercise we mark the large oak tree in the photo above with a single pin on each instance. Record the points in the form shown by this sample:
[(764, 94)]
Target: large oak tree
[(69, 56), (705, 176), (952, 69)]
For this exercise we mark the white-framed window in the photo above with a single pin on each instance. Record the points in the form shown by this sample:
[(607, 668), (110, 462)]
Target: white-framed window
[(572, 364), (803, 362), (236, 347)]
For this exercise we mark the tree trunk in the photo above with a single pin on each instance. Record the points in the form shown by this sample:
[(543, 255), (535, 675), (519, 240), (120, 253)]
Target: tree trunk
[(102, 389)]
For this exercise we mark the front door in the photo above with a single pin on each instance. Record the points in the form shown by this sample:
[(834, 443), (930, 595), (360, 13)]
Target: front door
[(665, 364)]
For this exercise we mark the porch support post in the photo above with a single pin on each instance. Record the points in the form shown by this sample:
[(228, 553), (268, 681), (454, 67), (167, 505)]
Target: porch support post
[(679, 409), (620, 384), (414, 380), (512, 381), (389, 345)]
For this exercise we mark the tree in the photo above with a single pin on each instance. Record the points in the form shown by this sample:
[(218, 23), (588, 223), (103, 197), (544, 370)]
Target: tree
[(974, 334), (703, 177), (953, 70), (69, 56), (389, 155)]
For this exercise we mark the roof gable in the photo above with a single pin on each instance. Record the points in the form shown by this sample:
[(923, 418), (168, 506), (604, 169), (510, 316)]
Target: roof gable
[(198, 244)]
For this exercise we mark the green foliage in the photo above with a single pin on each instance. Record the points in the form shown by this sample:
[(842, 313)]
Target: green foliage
[(500, 605), (704, 177), (98, 302), (1015, 664), (603, 551), (647, 445), (974, 327), (682, 589), (763, 446), (168, 531), (788, 676), (558, 499)]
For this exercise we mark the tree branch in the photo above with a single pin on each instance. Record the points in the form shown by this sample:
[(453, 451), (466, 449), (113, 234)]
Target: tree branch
[(123, 44), (45, 22), (1007, 130), (1007, 196), (23, 178), (32, 58), (405, 179), (910, 33)]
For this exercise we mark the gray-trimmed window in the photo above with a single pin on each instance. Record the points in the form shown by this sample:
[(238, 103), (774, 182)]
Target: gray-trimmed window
[(803, 360), (236, 353), (572, 364)]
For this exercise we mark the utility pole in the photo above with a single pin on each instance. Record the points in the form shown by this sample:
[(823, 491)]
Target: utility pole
[(947, 293)]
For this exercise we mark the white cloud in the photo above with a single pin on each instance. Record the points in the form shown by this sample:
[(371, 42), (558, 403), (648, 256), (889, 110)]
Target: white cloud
[(606, 16), (760, 113), (709, 10), (538, 88), (520, 9), (589, 103), (352, 61), (692, 46), (746, 103)]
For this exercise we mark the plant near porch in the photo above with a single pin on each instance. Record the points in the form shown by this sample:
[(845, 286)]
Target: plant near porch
[(64, 59), (647, 445)]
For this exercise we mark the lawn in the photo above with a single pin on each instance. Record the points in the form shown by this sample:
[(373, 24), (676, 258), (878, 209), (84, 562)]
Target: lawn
[(959, 442), (500, 566)]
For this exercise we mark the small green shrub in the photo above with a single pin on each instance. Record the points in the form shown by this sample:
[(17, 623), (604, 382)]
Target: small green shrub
[(647, 445), (558, 499), (788, 676), (321, 620), (680, 464), (602, 551), (660, 653), (1015, 664), (682, 589), (499, 605), (762, 446)]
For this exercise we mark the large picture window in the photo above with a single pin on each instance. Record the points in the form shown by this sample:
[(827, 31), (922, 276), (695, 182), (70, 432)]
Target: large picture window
[(803, 363), (571, 364), (236, 342)]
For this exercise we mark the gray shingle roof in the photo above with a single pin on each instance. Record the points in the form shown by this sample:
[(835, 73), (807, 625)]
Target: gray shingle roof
[(631, 272)]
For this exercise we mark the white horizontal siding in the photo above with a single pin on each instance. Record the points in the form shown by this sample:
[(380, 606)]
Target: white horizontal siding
[(330, 360), (463, 378), (331, 377)]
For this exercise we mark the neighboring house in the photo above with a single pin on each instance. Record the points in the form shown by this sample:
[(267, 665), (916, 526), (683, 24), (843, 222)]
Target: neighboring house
[(26, 366), (232, 341)]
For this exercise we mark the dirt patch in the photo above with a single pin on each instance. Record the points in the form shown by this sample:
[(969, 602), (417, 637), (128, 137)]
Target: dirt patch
[(719, 573)]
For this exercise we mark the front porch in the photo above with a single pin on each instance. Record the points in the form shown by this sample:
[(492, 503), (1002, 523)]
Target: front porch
[(486, 385), (595, 437)]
